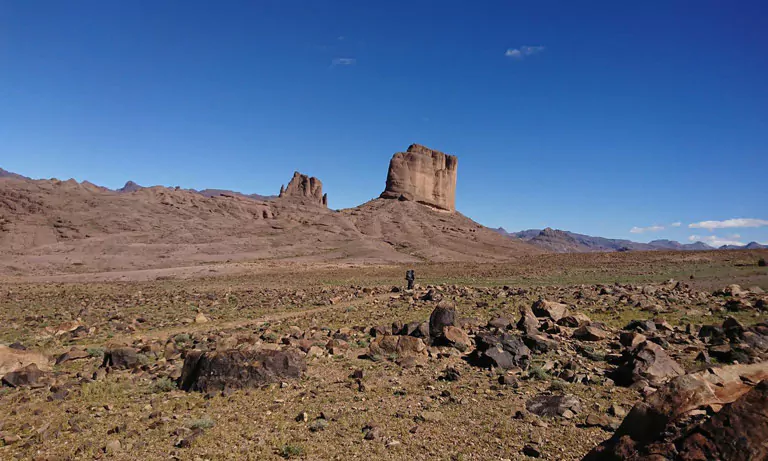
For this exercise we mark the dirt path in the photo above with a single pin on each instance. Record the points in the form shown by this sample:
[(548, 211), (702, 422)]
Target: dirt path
[(231, 325)]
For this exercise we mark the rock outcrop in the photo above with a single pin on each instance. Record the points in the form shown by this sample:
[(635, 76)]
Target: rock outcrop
[(423, 175), (306, 188), (686, 419)]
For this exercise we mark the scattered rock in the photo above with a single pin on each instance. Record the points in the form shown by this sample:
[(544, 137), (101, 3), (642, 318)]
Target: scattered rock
[(201, 318), (550, 309), (121, 358), (566, 406), (456, 337), (503, 351), (648, 361), (590, 333)]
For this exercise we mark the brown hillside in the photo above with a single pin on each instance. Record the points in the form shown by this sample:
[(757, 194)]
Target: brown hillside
[(61, 226)]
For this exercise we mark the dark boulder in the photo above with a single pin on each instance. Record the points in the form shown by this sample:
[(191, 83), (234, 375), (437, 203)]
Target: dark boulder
[(235, 369), (443, 316), (503, 351), (121, 358), (648, 361)]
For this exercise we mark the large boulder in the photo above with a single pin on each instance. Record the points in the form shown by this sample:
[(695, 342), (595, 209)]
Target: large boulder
[(647, 361), (399, 346), (443, 316), (423, 175), (15, 359), (27, 376), (236, 369), (500, 351), (528, 322), (305, 188), (121, 358), (668, 423)]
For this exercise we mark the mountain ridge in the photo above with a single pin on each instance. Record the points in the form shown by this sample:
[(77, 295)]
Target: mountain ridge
[(561, 241)]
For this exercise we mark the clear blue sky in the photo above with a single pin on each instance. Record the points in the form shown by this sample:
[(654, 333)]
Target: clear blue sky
[(594, 117)]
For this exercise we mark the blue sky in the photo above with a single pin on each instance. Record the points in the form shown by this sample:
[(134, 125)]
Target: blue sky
[(596, 117)]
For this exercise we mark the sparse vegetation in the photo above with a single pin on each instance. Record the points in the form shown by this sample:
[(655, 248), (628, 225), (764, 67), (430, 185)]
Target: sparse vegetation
[(203, 423), (163, 384), (289, 451)]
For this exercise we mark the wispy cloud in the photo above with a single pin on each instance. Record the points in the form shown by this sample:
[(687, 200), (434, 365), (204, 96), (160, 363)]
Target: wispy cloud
[(523, 51), (716, 241), (676, 224), (640, 230), (343, 62), (729, 223)]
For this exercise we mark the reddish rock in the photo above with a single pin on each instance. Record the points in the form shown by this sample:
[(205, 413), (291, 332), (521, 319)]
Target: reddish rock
[(550, 309), (456, 337), (401, 346), (657, 425), (590, 333), (423, 175), (306, 188)]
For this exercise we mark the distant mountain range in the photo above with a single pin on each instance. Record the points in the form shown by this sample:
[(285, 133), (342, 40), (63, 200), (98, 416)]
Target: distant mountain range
[(8, 174), (131, 186), (561, 241)]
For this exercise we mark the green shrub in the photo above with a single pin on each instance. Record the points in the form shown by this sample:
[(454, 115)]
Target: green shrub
[(288, 451), (95, 351), (163, 384), (538, 373), (203, 423)]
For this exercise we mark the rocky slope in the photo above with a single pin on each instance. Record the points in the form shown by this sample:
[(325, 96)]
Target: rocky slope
[(51, 226)]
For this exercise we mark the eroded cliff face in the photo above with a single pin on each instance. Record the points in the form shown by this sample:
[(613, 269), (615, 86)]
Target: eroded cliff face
[(305, 187), (423, 175)]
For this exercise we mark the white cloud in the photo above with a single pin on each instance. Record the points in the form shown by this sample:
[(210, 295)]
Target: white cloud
[(716, 241), (676, 224), (640, 230), (523, 51), (729, 223), (343, 62)]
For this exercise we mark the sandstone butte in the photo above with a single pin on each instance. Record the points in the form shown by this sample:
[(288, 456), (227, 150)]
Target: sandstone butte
[(305, 187), (423, 175)]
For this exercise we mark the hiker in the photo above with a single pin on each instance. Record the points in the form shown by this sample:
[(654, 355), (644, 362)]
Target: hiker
[(409, 277)]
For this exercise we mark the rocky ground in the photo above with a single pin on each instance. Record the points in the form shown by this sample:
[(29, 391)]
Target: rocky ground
[(553, 360)]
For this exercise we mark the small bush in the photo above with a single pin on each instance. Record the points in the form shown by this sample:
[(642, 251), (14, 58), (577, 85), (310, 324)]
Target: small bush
[(288, 451), (538, 373), (761, 262), (557, 385), (182, 338), (203, 423), (163, 385), (95, 351)]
